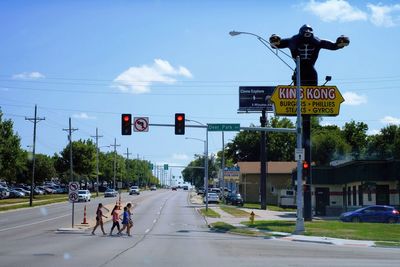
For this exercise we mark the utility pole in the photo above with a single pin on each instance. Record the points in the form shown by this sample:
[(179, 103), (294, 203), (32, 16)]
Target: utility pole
[(127, 163), (115, 158), (34, 120), (70, 131), (97, 136)]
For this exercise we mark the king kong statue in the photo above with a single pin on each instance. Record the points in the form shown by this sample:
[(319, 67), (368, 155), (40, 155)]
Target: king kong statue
[(307, 47)]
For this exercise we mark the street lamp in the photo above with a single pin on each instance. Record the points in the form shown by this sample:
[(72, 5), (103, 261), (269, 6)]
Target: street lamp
[(205, 161), (97, 169), (300, 218)]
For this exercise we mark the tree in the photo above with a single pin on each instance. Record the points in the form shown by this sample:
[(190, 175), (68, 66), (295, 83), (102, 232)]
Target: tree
[(328, 144), (83, 158), (196, 175), (11, 156), (355, 134), (386, 144)]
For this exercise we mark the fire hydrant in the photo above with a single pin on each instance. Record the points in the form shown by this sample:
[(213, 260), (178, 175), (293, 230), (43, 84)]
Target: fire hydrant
[(252, 217)]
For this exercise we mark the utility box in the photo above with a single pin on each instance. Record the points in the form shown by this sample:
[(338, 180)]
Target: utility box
[(287, 198)]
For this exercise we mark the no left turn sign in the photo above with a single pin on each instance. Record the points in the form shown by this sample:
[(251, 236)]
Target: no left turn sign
[(141, 124)]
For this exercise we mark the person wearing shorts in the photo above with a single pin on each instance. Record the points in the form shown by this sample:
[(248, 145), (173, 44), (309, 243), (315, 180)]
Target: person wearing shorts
[(115, 218)]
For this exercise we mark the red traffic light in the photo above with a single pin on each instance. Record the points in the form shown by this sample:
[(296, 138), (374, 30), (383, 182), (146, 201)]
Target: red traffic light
[(126, 118), (180, 123), (306, 165), (179, 118)]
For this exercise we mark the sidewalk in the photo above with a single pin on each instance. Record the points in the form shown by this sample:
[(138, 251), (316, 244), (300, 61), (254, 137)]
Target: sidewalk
[(277, 215)]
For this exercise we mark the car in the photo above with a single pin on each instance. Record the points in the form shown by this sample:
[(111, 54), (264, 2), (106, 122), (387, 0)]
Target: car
[(200, 191), (174, 188), (376, 213), (4, 193), (185, 187), (234, 199), (110, 193), (153, 188), (212, 198), (24, 191), (84, 195), (134, 190), (15, 194)]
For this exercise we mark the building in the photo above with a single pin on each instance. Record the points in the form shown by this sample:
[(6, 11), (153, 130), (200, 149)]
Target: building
[(279, 177), (355, 184)]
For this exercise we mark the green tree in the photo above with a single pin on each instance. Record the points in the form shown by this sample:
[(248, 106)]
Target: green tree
[(328, 144), (386, 144), (193, 174), (355, 134), (11, 156)]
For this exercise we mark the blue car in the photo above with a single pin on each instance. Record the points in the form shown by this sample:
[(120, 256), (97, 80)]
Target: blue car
[(378, 213)]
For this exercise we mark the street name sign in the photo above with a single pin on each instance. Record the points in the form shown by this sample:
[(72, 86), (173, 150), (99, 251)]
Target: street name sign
[(315, 100), (255, 98), (223, 127)]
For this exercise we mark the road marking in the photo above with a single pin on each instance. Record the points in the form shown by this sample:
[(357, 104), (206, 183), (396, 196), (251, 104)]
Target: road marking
[(148, 230), (155, 220), (29, 224), (158, 213)]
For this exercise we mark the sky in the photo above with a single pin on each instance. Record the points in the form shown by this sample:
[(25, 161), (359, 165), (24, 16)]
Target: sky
[(91, 61)]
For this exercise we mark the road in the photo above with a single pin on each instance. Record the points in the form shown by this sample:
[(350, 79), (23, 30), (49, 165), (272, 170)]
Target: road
[(167, 232)]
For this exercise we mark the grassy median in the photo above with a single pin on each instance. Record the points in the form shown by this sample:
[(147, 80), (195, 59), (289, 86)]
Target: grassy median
[(336, 229), (234, 211), (209, 213), (269, 207), (228, 228)]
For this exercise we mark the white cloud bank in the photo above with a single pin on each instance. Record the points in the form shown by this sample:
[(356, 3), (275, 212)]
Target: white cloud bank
[(138, 80), (342, 11), (390, 120), (83, 116), (180, 157), (353, 99), (35, 75)]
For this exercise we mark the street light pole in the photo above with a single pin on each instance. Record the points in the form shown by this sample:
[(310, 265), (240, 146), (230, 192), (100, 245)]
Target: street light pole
[(300, 218)]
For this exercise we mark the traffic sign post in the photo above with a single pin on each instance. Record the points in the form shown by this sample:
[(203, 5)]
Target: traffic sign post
[(73, 197), (141, 124)]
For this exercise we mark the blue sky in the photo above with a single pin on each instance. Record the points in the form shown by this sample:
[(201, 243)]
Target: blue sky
[(93, 60)]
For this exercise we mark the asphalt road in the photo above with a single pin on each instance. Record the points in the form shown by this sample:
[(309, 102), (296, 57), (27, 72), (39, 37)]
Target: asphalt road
[(167, 232)]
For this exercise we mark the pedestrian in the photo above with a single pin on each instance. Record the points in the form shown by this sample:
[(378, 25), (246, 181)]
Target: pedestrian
[(130, 221), (125, 220), (115, 218), (99, 219)]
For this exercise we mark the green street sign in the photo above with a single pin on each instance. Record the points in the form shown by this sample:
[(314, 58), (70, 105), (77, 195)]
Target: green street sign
[(223, 127), (151, 166), (165, 167)]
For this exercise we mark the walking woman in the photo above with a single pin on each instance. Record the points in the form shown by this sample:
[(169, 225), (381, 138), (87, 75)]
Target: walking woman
[(99, 219), (115, 218), (130, 221)]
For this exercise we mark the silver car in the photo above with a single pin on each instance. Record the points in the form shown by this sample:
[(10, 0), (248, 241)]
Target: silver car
[(212, 198)]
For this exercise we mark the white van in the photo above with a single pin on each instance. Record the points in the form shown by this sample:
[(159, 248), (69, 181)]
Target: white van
[(287, 198)]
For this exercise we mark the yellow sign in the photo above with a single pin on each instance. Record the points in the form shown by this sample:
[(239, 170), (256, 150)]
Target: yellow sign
[(315, 100)]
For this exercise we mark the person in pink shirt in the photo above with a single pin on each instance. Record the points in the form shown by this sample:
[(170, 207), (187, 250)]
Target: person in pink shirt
[(115, 219)]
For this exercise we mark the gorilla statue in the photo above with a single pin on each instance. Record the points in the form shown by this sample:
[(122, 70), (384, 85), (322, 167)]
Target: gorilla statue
[(307, 46)]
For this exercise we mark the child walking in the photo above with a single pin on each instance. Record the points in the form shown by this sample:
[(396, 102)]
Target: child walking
[(125, 220), (115, 218), (99, 219)]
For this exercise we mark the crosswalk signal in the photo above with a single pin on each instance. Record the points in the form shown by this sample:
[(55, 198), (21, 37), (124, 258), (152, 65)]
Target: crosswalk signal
[(180, 123), (126, 124)]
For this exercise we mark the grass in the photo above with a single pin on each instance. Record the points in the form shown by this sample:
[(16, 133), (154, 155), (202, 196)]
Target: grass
[(269, 207), (387, 244), (228, 228), (34, 204), (234, 211), (336, 229), (209, 213)]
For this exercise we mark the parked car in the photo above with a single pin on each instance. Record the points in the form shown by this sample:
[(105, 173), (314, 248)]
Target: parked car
[(185, 187), (25, 192), (134, 190), (4, 193), (234, 199), (16, 194), (110, 193), (153, 188), (174, 188), (200, 191), (84, 195), (377, 213), (212, 198)]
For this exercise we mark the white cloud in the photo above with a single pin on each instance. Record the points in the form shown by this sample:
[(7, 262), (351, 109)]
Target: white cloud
[(335, 10), (180, 157), (139, 79), (327, 123), (353, 99), (83, 116), (373, 132), (390, 120), (35, 75), (382, 15)]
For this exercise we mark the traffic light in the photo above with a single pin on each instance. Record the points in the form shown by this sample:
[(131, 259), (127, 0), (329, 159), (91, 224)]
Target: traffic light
[(306, 170), (126, 124), (180, 123)]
